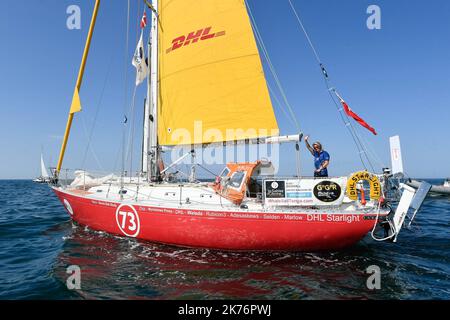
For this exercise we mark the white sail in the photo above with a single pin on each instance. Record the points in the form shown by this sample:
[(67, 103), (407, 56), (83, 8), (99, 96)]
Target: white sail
[(396, 155), (44, 172)]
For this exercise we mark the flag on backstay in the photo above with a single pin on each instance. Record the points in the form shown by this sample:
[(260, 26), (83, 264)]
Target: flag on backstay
[(139, 62)]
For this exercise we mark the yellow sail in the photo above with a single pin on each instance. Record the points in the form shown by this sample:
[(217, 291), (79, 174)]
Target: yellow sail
[(211, 81)]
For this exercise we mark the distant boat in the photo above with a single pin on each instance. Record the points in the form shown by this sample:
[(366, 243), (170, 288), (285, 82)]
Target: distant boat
[(44, 177), (443, 189)]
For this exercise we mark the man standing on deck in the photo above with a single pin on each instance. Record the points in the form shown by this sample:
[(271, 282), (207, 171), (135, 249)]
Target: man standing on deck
[(321, 158)]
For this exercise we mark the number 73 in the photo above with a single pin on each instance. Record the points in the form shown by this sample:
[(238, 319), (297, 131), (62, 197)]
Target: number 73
[(132, 219)]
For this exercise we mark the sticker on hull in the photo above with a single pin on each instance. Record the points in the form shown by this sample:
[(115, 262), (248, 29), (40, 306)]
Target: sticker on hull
[(68, 206), (128, 221)]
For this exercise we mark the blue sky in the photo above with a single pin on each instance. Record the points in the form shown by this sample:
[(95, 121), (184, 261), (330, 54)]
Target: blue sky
[(396, 78)]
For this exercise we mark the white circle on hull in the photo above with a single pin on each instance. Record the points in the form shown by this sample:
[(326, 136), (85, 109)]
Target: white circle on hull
[(128, 221), (68, 207)]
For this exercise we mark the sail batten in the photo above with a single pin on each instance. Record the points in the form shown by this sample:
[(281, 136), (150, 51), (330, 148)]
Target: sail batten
[(211, 81)]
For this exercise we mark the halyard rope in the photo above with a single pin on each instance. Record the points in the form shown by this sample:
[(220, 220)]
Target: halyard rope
[(271, 67), (359, 145)]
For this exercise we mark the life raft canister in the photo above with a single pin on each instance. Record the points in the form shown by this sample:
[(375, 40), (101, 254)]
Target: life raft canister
[(375, 186)]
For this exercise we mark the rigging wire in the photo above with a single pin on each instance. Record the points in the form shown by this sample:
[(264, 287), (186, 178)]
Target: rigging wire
[(292, 118), (271, 67), (89, 146), (306, 34), (372, 152), (119, 150), (280, 105), (355, 136), (126, 98), (99, 104), (346, 120), (131, 110), (207, 170), (131, 132), (138, 19)]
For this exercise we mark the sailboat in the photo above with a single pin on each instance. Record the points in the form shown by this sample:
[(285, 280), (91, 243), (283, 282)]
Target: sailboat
[(205, 74), (44, 177)]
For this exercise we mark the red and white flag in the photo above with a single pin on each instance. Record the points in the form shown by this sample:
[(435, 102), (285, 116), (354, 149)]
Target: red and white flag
[(357, 118), (144, 20)]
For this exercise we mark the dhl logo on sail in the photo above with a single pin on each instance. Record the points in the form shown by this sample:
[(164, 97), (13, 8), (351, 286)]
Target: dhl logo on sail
[(194, 37)]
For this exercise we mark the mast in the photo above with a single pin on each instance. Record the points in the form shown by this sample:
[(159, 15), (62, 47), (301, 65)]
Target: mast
[(76, 105), (144, 150), (147, 116), (154, 154)]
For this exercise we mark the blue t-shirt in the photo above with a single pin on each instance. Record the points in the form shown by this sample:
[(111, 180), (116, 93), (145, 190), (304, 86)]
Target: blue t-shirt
[(319, 158)]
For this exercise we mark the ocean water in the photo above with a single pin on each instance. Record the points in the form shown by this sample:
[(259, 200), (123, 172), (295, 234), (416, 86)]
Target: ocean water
[(38, 242)]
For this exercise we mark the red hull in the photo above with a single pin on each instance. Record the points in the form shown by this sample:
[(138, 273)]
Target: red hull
[(220, 229)]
